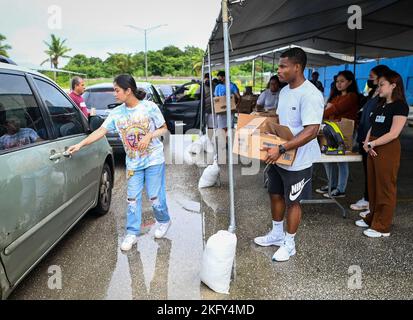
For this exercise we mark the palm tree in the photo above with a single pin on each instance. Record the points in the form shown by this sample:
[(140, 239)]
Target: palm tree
[(56, 50), (3, 47)]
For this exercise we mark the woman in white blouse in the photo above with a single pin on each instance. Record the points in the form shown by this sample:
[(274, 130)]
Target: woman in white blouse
[(269, 98)]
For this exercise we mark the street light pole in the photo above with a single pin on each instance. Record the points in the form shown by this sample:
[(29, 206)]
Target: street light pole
[(145, 31)]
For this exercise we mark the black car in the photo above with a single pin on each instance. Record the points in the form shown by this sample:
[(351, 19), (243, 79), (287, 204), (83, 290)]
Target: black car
[(181, 109)]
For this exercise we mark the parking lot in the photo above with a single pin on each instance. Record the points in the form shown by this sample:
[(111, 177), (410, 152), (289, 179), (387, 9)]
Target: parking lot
[(330, 249)]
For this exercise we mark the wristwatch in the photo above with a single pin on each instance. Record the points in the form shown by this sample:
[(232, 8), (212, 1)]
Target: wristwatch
[(282, 149), (369, 145)]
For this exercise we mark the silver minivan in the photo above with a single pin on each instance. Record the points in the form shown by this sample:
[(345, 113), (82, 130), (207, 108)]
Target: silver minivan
[(43, 190)]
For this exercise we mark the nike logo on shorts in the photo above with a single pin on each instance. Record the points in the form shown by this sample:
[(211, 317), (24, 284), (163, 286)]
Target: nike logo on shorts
[(297, 189)]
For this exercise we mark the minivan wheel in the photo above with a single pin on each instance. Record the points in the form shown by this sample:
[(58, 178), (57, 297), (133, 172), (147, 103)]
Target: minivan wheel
[(105, 191)]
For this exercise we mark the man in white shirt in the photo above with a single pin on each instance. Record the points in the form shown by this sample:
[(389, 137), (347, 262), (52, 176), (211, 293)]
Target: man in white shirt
[(300, 108)]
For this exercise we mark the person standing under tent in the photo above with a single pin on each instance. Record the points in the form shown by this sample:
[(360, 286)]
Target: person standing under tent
[(300, 108), (383, 146)]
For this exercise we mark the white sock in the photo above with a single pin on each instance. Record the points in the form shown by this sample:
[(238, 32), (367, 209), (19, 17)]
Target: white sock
[(277, 227), (289, 239)]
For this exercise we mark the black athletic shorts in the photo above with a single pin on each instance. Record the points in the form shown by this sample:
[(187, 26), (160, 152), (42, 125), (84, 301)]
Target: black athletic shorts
[(294, 186)]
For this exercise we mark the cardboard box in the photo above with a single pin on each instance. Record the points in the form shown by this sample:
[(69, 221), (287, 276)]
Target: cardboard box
[(247, 104), (347, 128), (220, 104), (254, 134), (265, 114), (244, 119)]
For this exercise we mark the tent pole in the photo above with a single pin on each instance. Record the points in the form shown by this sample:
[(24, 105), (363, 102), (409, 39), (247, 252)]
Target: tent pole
[(232, 226), (355, 52), (273, 64), (262, 71), (211, 95), (253, 74), (202, 97)]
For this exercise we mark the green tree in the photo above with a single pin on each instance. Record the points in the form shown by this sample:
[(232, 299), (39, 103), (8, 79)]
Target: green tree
[(172, 51), (56, 50), (3, 47), (118, 63)]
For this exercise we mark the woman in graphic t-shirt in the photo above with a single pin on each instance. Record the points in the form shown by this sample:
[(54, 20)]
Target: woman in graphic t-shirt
[(383, 146), (140, 124)]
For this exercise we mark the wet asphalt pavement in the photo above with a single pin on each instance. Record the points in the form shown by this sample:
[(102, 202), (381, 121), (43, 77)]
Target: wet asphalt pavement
[(330, 249)]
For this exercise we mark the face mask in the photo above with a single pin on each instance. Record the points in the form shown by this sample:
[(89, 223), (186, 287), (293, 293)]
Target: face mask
[(371, 85)]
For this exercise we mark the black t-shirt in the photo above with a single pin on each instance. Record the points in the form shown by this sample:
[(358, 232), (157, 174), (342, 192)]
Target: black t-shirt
[(382, 118)]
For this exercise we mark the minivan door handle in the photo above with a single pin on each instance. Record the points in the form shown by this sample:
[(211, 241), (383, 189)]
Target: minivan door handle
[(55, 155)]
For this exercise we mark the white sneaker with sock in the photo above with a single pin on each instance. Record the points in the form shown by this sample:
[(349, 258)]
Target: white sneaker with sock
[(128, 242), (162, 229), (270, 239), (286, 251), (364, 214)]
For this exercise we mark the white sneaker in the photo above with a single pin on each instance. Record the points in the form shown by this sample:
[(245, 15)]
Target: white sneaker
[(128, 242), (284, 253), (364, 214), (375, 234), (360, 205), (361, 224), (270, 240), (162, 229)]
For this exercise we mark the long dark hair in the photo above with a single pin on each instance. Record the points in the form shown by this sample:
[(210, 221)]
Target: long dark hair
[(352, 88), (126, 81), (398, 93)]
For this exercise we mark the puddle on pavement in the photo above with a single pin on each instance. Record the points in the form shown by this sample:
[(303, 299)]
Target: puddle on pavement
[(163, 268)]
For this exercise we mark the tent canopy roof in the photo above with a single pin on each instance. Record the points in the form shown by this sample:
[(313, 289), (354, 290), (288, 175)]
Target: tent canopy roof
[(262, 25)]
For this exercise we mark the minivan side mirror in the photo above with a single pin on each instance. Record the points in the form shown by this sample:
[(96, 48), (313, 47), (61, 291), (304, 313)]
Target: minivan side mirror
[(95, 122)]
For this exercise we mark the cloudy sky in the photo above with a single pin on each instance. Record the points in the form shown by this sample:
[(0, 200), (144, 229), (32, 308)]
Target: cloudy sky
[(96, 27)]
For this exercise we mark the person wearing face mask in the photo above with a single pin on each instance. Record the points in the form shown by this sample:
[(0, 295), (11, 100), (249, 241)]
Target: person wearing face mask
[(364, 126)]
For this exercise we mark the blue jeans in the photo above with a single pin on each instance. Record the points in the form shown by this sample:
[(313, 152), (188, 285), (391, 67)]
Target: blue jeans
[(154, 178), (339, 179)]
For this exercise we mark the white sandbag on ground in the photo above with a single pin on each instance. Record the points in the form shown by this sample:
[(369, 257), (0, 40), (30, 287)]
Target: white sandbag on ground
[(217, 261), (210, 176)]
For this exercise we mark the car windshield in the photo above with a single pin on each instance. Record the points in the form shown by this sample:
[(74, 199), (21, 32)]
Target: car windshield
[(99, 99)]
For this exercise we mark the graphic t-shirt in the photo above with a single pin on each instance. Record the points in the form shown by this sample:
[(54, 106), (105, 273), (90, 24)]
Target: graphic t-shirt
[(297, 108), (23, 137), (132, 124)]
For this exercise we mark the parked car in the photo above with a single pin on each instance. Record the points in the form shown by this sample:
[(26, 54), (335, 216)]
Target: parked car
[(183, 111), (182, 108), (44, 191)]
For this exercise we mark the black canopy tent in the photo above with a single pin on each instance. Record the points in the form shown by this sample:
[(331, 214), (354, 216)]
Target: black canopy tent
[(261, 25), (252, 27)]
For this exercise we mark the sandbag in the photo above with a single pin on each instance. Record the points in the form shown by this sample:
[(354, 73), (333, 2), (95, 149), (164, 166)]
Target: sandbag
[(210, 176), (217, 261)]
